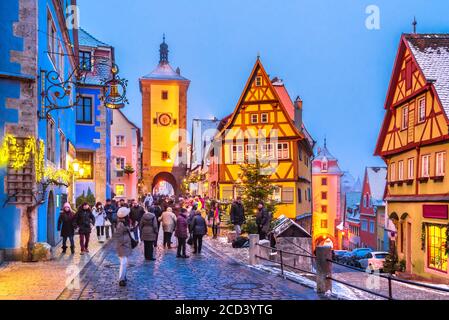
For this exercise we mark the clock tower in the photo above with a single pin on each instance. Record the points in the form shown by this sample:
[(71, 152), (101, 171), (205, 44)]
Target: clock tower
[(164, 126)]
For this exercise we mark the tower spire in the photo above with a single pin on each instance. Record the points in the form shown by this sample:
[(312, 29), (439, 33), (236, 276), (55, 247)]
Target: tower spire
[(163, 51), (414, 23)]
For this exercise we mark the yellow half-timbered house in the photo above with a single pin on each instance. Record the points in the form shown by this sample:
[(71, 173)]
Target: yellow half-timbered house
[(414, 143), (266, 124)]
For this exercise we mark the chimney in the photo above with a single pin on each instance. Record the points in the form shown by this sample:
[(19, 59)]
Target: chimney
[(298, 113), (178, 71)]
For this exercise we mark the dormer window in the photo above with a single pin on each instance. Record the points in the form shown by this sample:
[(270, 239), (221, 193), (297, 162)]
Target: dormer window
[(324, 165), (258, 81)]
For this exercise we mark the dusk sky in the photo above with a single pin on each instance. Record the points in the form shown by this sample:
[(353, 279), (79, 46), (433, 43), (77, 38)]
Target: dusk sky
[(321, 49)]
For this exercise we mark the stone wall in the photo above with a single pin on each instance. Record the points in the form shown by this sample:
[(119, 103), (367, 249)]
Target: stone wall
[(296, 245), (100, 164)]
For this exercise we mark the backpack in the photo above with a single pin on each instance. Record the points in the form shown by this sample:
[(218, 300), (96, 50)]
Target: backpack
[(240, 242)]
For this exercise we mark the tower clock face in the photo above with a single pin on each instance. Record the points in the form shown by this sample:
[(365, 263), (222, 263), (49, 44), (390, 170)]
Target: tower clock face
[(165, 119)]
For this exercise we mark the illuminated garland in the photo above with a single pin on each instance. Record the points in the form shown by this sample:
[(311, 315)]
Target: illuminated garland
[(18, 157)]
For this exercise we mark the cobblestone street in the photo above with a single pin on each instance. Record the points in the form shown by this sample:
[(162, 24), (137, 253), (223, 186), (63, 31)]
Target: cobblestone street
[(205, 277)]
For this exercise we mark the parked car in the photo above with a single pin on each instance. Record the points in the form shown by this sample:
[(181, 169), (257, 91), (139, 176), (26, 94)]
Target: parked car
[(356, 255), (339, 255), (374, 260)]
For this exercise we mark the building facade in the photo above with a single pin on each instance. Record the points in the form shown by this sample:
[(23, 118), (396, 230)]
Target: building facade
[(93, 120), (38, 50), (372, 208), (164, 125), (327, 201), (125, 138), (266, 125), (413, 142), (351, 238)]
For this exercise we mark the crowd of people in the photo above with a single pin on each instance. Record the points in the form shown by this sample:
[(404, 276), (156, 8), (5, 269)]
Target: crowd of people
[(132, 222)]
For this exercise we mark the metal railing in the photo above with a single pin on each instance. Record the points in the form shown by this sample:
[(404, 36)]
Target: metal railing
[(389, 278)]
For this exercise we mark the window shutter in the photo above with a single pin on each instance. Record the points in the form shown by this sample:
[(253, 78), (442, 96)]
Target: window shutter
[(287, 195)]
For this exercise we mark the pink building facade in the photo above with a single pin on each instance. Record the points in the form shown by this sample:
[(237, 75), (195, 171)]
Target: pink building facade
[(125, 140)]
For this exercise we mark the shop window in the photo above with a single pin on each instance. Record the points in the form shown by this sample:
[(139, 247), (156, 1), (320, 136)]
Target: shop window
[(436, 247)]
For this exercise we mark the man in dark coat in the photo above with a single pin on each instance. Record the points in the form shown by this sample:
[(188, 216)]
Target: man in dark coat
[(198, 229), (136, 215), (157, 210), (111, 214), (84, 221), (66, 225), (238, 215), (181, 233), (263, 221)]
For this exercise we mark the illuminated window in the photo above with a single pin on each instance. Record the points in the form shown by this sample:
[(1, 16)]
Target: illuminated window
[(411, 168), (324, 224), (164, 156), (425, 166), (404, 118), (324, 209), (86, 160), (440, 164), (436, 247), (422, 110), (120, 190)]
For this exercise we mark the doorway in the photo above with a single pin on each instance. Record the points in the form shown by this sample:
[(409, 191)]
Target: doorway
[(51, 220)]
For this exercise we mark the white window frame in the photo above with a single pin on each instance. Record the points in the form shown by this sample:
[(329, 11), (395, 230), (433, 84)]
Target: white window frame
[(258, 81), (411, 168), (251, 151), (422, 110), (277, 194), (238, 153), (117, 168), (393, 172), (364, 225), (254, 118), (405, 115), (401, 170), (119, 144), (440, 164), (425, 165), (267, 118), (267, 151), (284, 152)]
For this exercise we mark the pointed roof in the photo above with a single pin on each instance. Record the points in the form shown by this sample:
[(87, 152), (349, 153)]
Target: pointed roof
[(323, 155), (377, 180), (258, 66), (164, 71), (85, 39)]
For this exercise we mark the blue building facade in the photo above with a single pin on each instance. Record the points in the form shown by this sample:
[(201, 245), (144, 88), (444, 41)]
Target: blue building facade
[(93, 120), (35, 42)]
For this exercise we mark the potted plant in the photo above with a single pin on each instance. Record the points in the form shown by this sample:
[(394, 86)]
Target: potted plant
[(129, 169)]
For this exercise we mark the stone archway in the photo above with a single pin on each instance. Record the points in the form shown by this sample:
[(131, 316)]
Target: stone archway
[(51, 219), (165, 177), (325, 239)]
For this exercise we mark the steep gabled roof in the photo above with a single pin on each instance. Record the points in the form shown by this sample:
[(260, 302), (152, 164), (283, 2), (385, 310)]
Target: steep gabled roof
[(85, 39), (377, 179)]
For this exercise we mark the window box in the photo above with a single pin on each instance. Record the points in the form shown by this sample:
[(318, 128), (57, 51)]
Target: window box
[(423, 179), (437, 178), (400, 183), (409, 182), (392, 183)]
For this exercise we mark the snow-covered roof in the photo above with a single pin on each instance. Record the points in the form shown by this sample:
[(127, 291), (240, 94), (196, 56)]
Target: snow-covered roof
[(85, 39), (377, 179), (352, 205), (164, 72), (431, 52)]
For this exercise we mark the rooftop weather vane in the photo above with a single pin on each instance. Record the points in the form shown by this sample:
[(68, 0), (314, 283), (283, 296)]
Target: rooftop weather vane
[(414, 23)]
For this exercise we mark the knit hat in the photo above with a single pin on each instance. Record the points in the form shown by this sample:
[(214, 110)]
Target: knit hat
[(122, 212), (67, 205)]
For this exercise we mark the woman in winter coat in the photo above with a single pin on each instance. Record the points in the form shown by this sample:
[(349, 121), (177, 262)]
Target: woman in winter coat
[(84, 221), (148, 234), (198, 229), (214, 218), (181, 233), (123, 243), (66, 225), (100, 219), (168, 219)]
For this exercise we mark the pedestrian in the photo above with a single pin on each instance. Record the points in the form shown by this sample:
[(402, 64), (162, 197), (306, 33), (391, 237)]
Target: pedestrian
[(100, 220), (136, 214), (263, 221), (84, 221), (182, 234), (238, 215), (199, 229), (123, 243), (168, 219), (214, 218), (148, 234), (66, 225), (148, 201), (111, 215), (157, 210)]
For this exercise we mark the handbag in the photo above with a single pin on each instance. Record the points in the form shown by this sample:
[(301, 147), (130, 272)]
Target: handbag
[(107, 223), (190, 240), (134, 242)]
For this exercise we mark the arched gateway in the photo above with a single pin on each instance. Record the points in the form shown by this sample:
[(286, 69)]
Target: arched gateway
[(164, 124)]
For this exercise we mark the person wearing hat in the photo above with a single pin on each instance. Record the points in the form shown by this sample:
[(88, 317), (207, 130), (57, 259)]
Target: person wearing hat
[(66, 225), (168, 219), (123, 242), (84, 220)]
